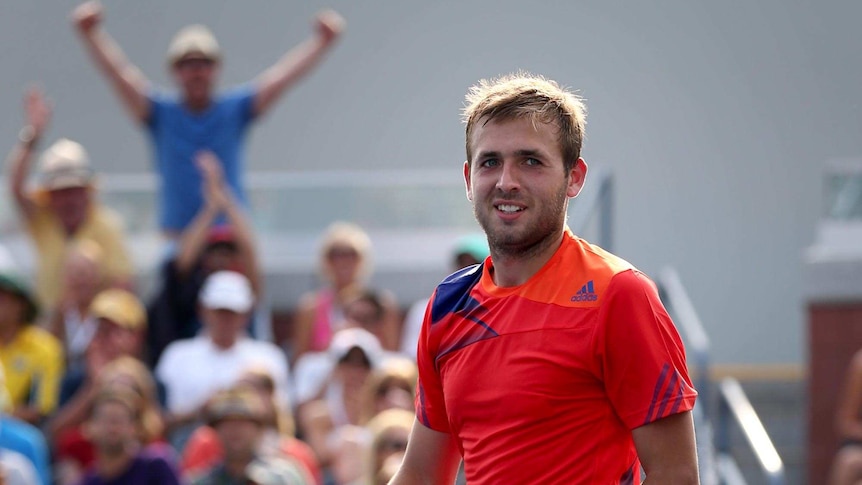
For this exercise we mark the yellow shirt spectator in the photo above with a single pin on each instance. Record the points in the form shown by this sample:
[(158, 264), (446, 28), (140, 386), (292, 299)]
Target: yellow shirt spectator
[(34, 365), (103, 226)]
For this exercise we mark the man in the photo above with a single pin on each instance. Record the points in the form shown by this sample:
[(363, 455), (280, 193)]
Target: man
[(198, 119), (202, 249), (237, 415), (192, 370), (63, 209), (32, 357), (121, 324), (554, 361), (115, 428)]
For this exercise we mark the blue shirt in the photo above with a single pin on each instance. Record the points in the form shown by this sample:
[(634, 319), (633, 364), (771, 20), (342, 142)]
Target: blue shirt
[(16, 435), (179, 134)]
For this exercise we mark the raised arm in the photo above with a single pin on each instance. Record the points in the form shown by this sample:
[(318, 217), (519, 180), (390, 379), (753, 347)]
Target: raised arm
[(218, 200), (297, 62), (667, 450), (38, 113), (128, 82), (432, 458), (194, 237)]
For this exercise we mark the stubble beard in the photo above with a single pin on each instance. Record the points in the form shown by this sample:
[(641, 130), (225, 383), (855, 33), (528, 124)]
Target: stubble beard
[(528, 240)]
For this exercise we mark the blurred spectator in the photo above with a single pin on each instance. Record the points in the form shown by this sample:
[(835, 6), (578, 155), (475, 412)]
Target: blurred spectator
[(345, 265), (32, 357), (331, 422), (198, 118), (469, 250), (364, 309), (238, 418), (63, 209), (192, 370), (120, 326), (203, 248), (116, 429), (390, 386), (390, 431), (72, 323), (20, 437), (74, 450), (204, 450)]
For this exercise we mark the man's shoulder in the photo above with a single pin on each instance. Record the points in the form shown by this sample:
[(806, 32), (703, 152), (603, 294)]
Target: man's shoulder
[(260, 349), (450, 293), (38, 338), (181, 349), (276, 471), (106, 216)]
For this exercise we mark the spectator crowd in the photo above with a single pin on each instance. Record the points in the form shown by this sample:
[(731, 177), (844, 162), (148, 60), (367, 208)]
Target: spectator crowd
[(101, 384)]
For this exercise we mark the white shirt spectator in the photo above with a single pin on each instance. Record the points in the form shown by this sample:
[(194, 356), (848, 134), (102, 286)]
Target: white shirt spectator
[(192, 370)]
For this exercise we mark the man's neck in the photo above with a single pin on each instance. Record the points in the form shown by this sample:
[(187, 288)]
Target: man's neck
[(511, 270), (113, 465), (197, 105)]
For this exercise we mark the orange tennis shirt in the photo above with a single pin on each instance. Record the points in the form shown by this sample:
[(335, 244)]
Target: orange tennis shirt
[(543, 382)]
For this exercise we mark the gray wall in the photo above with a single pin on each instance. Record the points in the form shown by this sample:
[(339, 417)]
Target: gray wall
[(716, 117)]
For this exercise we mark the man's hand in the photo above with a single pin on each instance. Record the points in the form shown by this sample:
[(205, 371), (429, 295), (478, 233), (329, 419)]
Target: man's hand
[(329, 24), (37, 110), (87, 16), (214, 190)]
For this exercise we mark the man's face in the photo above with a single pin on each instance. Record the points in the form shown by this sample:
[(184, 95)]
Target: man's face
[(112, 427), (115, 340), (519, 185), (224, 326), (12, 309), (196, 78), (239, 437), (70, 205)]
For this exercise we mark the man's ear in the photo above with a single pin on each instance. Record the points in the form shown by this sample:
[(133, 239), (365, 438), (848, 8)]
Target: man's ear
[(577, 177), (467, 182)]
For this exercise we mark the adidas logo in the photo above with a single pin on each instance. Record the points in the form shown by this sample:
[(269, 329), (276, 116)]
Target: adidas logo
[(586, 293)]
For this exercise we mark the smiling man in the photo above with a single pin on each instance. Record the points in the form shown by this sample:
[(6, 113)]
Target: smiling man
[(553, 361)]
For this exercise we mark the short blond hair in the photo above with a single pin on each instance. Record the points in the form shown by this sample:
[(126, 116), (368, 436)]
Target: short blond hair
[(523, 94)]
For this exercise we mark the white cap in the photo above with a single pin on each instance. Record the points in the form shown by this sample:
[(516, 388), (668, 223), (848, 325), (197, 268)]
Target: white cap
[(65, 164), (194, 39), (227, 290), (345, 340)]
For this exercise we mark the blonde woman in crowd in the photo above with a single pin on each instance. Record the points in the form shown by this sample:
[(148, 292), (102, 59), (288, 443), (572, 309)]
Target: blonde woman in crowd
[(390, 431), (345, 265)]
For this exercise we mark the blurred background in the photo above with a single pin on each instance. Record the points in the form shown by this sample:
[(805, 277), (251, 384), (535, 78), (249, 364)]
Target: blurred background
[(717, 121)]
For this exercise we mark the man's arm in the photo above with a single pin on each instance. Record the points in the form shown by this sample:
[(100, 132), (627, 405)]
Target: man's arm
[(667, 450), (38, 113), (127, 80), (432, 458), (297, 62)]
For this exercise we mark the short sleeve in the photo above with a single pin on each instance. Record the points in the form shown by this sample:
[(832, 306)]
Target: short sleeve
[(158, 102), (429, 401), (241, 101), (642, 356)]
